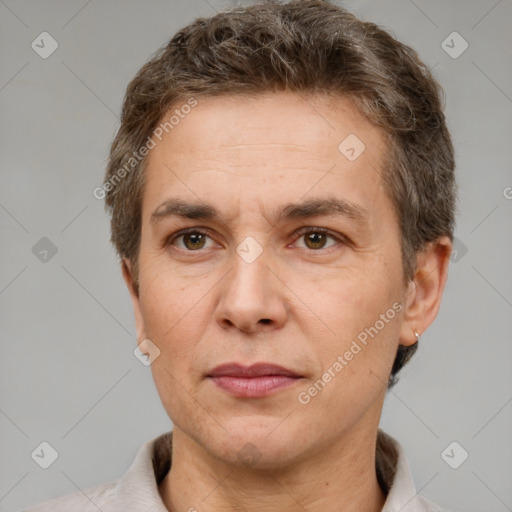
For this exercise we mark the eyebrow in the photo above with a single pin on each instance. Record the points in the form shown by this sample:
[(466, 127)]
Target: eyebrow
[(309, 208)]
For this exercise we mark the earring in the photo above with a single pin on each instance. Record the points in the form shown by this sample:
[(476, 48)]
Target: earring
[(417, 336)]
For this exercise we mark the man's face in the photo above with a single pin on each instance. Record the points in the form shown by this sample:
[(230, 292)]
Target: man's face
[(322, 277)]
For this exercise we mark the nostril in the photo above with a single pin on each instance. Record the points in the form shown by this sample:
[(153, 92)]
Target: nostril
[(265, 320)]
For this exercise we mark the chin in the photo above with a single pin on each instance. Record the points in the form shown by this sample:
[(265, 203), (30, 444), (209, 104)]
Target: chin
[(261, 455), (258, 446)]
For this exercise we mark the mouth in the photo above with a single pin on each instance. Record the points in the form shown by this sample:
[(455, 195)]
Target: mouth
[(255, 381)]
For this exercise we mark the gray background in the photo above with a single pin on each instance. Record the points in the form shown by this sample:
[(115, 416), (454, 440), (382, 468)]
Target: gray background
[(68, 373)]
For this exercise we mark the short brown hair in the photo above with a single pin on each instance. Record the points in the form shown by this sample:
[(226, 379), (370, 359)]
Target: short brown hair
[(303, 46)]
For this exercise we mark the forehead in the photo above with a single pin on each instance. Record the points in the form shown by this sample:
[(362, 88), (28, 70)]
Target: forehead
[(304, 123), (233, 144)]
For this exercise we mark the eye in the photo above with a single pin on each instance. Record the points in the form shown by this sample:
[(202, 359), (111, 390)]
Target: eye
[(312, 238), (191, 240), (316, 238)]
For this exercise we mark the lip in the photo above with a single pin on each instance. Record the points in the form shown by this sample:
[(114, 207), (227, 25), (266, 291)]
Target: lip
[(255, 381), (254, 370)]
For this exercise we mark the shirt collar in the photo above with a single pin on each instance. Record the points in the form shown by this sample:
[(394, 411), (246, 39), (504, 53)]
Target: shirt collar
[(137, 490), (394, 471)]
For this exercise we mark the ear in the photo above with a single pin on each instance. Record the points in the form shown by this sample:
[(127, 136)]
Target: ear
[(139, 320), (423, 297)]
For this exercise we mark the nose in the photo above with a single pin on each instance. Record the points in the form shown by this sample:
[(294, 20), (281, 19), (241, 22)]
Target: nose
[(252, 298)]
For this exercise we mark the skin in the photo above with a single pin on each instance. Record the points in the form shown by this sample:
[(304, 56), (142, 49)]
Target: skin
[(204, 306)]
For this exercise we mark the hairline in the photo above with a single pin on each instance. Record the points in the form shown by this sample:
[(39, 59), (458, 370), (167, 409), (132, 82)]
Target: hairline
[(388, 162)]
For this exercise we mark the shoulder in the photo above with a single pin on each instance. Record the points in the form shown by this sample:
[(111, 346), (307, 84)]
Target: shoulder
[(100, 497), (137, 489), (430, 506)]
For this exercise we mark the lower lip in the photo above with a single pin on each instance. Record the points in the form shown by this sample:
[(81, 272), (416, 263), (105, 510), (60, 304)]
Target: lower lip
[(254, 387)]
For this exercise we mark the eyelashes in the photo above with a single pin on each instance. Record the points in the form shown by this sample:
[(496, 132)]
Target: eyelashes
[(315, 239)]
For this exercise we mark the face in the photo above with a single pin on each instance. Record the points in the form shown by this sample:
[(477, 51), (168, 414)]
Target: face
[(293, 260)]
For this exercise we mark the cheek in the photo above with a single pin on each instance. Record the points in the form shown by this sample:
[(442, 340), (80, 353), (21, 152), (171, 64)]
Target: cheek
[(167, 300), (175, 322), (173, 390), (348, 300), (357, 317)]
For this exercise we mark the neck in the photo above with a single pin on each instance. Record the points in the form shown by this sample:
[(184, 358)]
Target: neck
[(340, 478)]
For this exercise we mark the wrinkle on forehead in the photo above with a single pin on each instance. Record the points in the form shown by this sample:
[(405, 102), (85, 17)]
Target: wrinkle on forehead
[(279, 145)]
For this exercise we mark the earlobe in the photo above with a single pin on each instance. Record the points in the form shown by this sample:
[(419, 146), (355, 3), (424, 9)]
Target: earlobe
[(135, 296), (423, 296)]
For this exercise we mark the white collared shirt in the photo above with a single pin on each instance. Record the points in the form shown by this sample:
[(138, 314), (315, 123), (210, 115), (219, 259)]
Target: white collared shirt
[(137, 489)]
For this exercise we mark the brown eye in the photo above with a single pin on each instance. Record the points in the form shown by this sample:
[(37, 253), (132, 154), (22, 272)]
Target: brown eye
[(191, 241), (194, 241), (315, 240)]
